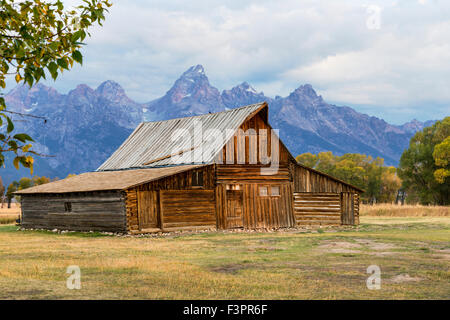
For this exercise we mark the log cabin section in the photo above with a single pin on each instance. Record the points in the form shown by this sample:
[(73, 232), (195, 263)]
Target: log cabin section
[(248, 180)]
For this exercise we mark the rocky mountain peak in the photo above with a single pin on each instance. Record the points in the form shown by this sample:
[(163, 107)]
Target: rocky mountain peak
[(246, 87), (306, 90), (81, 89), (306, 95), (241, 95), (415, 125), (193, 84), (27, 99), (194, 71), (110, 90)]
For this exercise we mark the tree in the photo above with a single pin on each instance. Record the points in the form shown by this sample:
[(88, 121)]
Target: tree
[(380, 182), (40, 180), (37, 38), (424, 165), (25, 183), (13, 187), (2, 191), (390, 184), (441, 156), (308, 159)]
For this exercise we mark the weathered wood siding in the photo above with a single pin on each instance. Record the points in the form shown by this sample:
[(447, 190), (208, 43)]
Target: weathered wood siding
[(316, 184), (172, 203), (309, 181), (132, 210), (350, 208), (253, 143), (269, 211), (96, 211), (181, 181), (250, 174), (187, 209), (317, 208)]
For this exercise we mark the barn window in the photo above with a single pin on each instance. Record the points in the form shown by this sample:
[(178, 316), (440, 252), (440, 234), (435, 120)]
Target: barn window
[(263, 192), (275, 191), (197, 179), (67, 206)]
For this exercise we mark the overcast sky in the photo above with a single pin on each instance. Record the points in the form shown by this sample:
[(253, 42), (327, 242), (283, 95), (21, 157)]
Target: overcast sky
[(390, 59)]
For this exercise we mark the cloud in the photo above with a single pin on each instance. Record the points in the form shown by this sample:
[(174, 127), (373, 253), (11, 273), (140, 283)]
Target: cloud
[(277, 46)]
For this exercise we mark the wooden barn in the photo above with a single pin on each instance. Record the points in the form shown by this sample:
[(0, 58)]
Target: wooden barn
[(222, 170)]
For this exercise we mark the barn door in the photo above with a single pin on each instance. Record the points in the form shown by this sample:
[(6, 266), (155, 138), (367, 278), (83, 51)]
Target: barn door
[(235, 206), (147, 209), (348, 208)]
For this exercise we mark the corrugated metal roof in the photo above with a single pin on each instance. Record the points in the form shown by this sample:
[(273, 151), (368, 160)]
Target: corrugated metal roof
[(107, 180), (151, 143)]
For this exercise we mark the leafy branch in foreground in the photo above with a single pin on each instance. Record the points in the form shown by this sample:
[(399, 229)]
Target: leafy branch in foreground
[(38, 38)]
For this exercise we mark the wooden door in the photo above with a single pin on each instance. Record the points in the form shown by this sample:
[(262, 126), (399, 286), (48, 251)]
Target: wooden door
[(348, 208), (235, 217), (147, 209)]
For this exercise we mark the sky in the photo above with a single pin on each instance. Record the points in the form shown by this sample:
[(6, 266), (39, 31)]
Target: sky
[(390, 59)]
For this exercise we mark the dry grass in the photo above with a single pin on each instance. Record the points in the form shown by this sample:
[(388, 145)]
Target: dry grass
[(414, 259), (393, 210), (9, 215)]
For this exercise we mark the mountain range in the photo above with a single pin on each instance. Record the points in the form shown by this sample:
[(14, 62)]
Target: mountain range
[(84, 126)]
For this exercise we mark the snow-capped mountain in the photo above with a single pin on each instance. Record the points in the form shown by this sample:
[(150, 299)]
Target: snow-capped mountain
[(86, 125)]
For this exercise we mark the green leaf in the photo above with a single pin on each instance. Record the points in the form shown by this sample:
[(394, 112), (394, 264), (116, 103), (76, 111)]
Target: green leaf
[(53, 69), (10, 126), (62, 63), (23, 137), (77, 56), (29, 79), (77, 35), (54, 45), (13, 145)]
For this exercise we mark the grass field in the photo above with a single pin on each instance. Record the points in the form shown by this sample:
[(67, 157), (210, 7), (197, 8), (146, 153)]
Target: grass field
[(407, 210), (413, 254), (9, 215)]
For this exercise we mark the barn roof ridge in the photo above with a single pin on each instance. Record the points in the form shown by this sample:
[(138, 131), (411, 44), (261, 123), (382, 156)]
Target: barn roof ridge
[(150, 144)]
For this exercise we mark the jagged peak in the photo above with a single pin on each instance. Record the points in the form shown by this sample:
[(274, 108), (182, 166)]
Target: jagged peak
[(247, 87), (193, 74), (306, 90), (110, 88), (81, 89), (197, 69), (22, 90)]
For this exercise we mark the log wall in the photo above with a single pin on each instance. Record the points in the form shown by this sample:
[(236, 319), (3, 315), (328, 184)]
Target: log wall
[(317, 208), (90, 211)]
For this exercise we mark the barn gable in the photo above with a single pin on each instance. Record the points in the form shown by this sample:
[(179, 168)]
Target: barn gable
[(151, 145)]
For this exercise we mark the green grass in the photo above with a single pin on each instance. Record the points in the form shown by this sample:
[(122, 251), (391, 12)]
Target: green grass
[(276, 265)]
